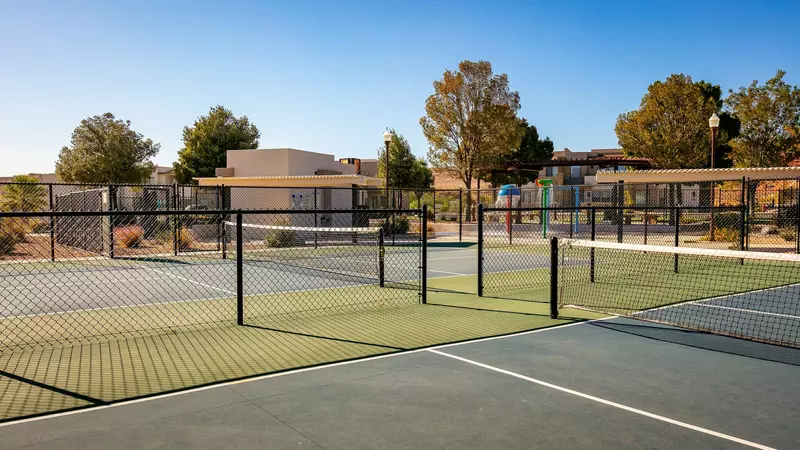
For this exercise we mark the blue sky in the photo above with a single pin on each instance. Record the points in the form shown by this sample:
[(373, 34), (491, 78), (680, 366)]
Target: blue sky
[(330, 76)]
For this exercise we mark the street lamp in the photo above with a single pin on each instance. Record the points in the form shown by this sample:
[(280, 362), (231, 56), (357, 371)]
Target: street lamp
[(387, 139), (713, 123)]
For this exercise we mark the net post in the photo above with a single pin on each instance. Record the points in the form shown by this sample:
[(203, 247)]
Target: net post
[(591, 250), (424, 254), (554, 277), (480, 250), (677, 234), (52, 223), (381, 262), (239, 271), (461, 215)]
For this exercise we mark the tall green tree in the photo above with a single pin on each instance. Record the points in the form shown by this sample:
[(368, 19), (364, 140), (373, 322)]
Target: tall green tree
[(670, 128), (205, 144), (23, 194), (405, 170), (531, 150), (770, 118), (728, 126), (106, 150), (470, 121)]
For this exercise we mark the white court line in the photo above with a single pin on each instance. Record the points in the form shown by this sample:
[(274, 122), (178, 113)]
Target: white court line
[(745, 310), (190, 280), (606, 402), (719, 297), (289, 372), (81, 283)]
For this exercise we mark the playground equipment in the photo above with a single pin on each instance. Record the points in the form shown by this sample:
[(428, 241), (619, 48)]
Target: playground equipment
[(508, 197), (546, 186)]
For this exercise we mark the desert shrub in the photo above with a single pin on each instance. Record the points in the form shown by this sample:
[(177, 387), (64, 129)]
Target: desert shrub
[(723, 235), (8, 240), (185, 239), (17, 229), (280, 237), (787, 234), (727, 220), (401, 225), (129, 236)]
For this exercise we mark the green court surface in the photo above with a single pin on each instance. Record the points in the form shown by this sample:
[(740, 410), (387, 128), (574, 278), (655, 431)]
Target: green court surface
[(145, 350)]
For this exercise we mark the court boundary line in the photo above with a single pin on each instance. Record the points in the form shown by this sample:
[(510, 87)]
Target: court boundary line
[(216, 385), (748, 311), (605, 402)]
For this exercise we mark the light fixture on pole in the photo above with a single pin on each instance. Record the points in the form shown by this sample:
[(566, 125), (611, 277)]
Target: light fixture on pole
[(387, 139), (713, 123)]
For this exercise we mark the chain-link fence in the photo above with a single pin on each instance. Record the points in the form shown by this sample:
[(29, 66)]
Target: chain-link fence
[(514, 248), (773, 209)]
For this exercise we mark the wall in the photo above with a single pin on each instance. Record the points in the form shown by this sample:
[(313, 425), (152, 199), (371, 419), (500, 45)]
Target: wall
[(259, 163)]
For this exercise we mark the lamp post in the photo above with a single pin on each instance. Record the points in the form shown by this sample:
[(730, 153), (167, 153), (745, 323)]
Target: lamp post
[(387, 139), (713, 123)]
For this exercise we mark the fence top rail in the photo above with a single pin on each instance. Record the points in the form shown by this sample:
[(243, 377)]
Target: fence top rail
[(637, 208), (209, 212)]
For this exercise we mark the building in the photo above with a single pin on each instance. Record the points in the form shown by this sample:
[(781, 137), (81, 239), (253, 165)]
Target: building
[(301, 180), (580, 174)]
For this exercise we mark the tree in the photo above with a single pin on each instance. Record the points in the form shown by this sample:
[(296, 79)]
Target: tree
[(24, 193), (531, 150), (106, 150), (405, 170), (471, 119), (728, 126), (670, 128), (205, 144), (770, 118)]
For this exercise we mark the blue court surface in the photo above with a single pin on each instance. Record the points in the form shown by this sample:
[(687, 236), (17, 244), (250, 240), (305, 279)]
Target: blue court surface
[(616, 383)]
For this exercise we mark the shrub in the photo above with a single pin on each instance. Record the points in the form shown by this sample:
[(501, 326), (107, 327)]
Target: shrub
[(723, 235), (401, 225), (130, 236), (8, 240), (280, 237), (16, 228), (185, 239), (787, 234), (727, 220)]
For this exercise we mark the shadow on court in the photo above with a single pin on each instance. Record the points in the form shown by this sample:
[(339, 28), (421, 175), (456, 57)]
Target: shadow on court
[(588, 385)]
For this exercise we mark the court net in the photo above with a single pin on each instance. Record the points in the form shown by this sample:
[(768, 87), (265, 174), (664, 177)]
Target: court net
[(343, 253), (749, 295)]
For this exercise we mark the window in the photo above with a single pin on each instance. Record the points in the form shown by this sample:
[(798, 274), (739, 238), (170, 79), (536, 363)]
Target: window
[(575, 172), (551, 171)]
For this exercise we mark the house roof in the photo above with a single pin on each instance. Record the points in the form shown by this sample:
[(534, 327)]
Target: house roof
[(294, 181), (688, 175)]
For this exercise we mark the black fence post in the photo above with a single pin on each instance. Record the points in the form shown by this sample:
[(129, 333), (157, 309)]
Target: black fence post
[(554, 277), (742, 229), (646, 223), (434, 205), (52, 223), (112, 205), (239, 271), (381, 259), (424, 254), (461, 215), (677, 234), (225, 219), (620, 201), (480, 250), (746, 201), (797, 217), (315, 218), (175, 230), (218, 201), (591, 250)]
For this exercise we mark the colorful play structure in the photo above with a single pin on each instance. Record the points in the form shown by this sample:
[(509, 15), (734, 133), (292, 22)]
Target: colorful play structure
[(509, 197)]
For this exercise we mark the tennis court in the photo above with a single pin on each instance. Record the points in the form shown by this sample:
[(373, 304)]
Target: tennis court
[(590, 385), (350, 337)]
